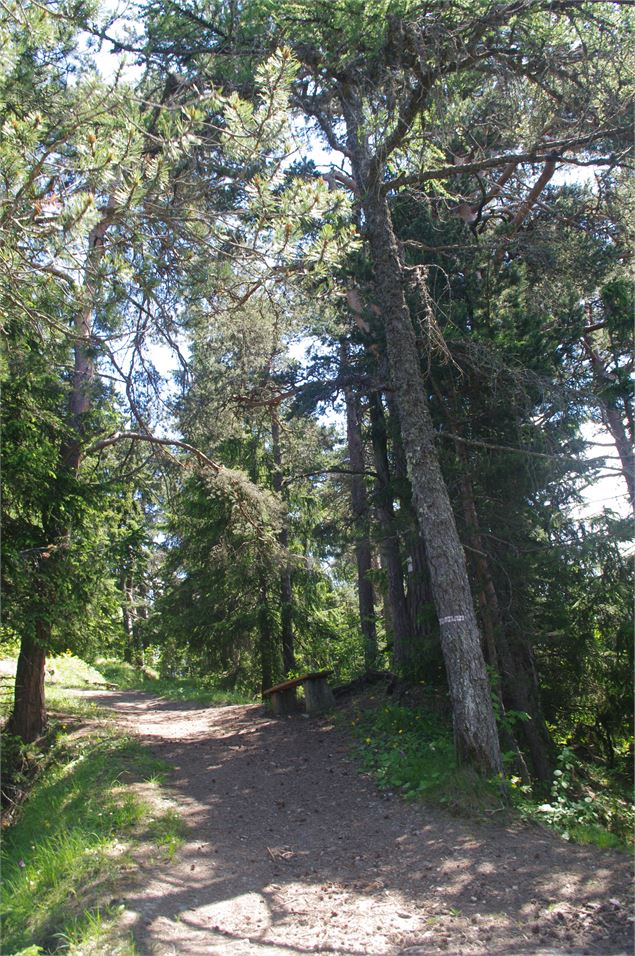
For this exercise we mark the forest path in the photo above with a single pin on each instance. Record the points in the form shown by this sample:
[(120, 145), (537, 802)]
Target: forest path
[(290, 851)]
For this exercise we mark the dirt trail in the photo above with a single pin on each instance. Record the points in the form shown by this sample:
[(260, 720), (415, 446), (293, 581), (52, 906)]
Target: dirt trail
[(290, 851)]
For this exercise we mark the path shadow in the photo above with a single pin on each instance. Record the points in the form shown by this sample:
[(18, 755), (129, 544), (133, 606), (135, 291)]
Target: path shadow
[(279, 819)]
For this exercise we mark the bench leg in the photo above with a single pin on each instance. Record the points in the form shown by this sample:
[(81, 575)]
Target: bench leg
[(283, 702), (318, 696)]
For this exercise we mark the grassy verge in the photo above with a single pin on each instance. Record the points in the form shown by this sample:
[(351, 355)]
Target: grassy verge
[(94, 803), (66, 671), (411, 752), (201, 690)]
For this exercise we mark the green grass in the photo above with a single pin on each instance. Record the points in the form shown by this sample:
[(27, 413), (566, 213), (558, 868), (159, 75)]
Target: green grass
[(64, 858), (167, 832), (67, 670), (95, 933), (63, 673), (201, 690), (412, 752), (590, 834), (94, 797)]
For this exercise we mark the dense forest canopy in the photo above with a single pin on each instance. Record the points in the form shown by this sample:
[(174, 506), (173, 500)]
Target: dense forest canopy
[(385, 244)]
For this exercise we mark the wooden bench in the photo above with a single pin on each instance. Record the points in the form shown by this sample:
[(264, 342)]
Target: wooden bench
[(318, 696)]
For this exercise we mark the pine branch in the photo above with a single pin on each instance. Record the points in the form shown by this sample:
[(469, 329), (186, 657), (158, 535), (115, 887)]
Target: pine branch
[(540, 154), (578, 462), (116, 437)]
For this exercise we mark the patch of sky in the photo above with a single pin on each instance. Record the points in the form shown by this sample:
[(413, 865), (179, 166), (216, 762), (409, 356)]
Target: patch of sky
[(116, 20), (608, 490)]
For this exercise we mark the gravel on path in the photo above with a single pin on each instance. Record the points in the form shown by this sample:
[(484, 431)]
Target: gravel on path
[(291, 851)]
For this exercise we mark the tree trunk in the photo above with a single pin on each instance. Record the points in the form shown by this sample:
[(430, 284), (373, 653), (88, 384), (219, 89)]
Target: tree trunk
[(612, 418), (391, 553), (425, 648), (29, 709), (476, 737), (286, 582), (517, 694), (28, 719), (132, 615), (141, 614), (286, 612), (125, 586), (427, 656), (265, 638), (360, 511)]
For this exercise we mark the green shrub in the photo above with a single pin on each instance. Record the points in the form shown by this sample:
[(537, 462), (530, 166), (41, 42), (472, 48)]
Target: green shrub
[(412, 752), (583, 807)]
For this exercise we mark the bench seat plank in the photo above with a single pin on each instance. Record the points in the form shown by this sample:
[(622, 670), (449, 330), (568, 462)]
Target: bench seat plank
[(296, 681), (318, 696)]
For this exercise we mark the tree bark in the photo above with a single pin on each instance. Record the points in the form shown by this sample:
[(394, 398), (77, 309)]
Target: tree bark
[(28, 717), (425, 648), (265, 638), (132, 615), (360, 512), (427, 656), (391, 552), (476, 737), (519, 689), (141, 614), (125, 586), (286, 582)]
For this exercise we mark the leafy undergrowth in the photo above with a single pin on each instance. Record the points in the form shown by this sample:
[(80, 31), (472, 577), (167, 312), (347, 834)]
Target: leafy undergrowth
[(411, 752), (96, 799), (586, 805), (201, 690)]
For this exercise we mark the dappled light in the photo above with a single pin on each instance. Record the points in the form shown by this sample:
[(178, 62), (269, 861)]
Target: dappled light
[(318, 462), (289, 849)]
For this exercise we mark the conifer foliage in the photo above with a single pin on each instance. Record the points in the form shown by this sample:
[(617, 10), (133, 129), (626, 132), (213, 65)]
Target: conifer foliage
[(384, 244)]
